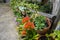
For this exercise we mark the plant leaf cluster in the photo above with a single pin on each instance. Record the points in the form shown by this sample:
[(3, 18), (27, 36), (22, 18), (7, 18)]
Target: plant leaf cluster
[(40, 22)]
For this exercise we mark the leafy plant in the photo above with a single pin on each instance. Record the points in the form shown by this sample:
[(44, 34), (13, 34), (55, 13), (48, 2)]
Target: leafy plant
[(32, 5), (26, 10), (40, 22), (47, 8), (31, 35), (55, 35)]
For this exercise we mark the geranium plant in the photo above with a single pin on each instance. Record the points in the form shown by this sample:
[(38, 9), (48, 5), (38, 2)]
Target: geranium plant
[(29, 33)]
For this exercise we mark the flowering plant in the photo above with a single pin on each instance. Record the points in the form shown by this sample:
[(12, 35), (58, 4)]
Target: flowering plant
[(29, 32), (25, 19)]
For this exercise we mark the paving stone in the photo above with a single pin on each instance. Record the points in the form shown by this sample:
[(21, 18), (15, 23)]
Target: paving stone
[(7, 24)]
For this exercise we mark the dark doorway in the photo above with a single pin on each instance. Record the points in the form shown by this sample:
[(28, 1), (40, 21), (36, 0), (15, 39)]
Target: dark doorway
[(4, 1)]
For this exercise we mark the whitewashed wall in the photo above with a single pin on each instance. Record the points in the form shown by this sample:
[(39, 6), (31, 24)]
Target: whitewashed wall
[(56, 6)]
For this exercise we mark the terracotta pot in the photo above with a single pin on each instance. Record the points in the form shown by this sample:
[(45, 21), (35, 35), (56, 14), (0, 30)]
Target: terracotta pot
[(44, 31)]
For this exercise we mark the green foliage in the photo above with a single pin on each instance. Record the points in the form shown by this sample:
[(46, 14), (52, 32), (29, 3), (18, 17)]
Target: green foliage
[(31, 35), (15, 3), (19, 20), (32, 5), (17, 14), (55, 35), (40, 22), (46, 8)]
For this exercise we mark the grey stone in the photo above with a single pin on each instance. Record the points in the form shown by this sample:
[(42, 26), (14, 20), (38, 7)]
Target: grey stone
[(7, 24)]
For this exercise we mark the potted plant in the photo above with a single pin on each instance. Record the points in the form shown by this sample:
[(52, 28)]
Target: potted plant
[(42, 24)]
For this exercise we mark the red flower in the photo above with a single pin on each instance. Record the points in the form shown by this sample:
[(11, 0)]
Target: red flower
[(25, 19), (29, 25), (23, 32)]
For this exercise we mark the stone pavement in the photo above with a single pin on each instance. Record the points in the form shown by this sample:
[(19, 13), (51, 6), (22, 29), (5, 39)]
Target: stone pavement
[(7, 23)]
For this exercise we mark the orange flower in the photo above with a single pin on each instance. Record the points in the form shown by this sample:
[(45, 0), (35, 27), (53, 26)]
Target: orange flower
[(25, 19), (29, 25), (23, 32)]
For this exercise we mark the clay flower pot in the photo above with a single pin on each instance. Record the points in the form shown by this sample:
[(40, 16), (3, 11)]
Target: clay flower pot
[(44, 31)]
